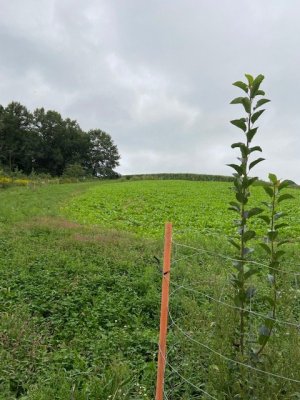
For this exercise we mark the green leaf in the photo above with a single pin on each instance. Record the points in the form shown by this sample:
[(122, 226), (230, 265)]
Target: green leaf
[(238, 265), (240, 123), (254, 211), (249, 235), (279, 254), (234, 204), (285, 196), (238, 144), (260, 93), (241, 85), (279, 214), (265, 203), (231, 208), (253, 163), (282, 242), (256, 115), (248, 181), (265, 218), (255, 148), (261, 102), (247, 105), (250, 78), (238, 100), (235, 244), (243, 148), (272, 234), (269, 191), (237, 168), (250, 272), (273, 178), (266, 248), (250, 292), (282, 225), (256, 84), (264, 332), (250, 134), (286, 183), (248, 250), (241, 198)]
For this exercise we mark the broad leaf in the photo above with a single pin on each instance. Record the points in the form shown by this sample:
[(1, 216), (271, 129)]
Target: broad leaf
[(247, 105), (272, 234), (273, 178), (253, 163), (282, 242), (254, 211), (240, 123), (261, 102), (250, 134), (241, 85), (256, 84), (265, 218), (235, 244), (279, 214), (266, 248), (243, 148), (248, 181), (248, 250), (248, 235), (250, 292), (241, 198), (231, 208), (279, 254), (269, 191), (238, 265), (234, 204), (237, 100), (250, 272), (255, 148), (237, 168), (256, 115), (250, 78), (285, 196), (282, 225), (286, 183), (260, 93), (264, 332)]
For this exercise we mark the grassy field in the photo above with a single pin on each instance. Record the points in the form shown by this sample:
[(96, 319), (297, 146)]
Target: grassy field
[(80, 294)]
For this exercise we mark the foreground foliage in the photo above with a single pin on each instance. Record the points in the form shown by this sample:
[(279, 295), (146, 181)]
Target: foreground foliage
[(80, 302)]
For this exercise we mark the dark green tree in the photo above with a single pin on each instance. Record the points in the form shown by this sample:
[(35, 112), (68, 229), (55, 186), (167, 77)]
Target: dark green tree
[(18, 141), (62, 142), (103, 154)]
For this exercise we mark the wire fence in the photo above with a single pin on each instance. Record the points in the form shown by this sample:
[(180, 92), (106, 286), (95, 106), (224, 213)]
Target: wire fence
[(176, 327)]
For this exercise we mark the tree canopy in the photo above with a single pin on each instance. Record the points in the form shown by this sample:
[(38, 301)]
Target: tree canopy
[(44, 142)]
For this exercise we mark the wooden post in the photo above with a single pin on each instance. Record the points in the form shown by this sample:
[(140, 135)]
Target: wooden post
[(164, 313)]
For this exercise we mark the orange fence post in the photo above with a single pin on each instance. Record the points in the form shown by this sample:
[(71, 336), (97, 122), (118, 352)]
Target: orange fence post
[(164, 313)]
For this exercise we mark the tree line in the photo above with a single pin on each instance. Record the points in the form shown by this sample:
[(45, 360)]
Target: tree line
[(43, 142)]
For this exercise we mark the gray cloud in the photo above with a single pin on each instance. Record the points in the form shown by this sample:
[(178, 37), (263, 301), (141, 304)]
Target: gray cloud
[(156, 75)]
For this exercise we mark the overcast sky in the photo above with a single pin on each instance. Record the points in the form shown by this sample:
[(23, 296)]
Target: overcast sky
[(156, 75)]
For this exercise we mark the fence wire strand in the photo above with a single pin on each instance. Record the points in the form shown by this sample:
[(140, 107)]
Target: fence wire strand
[(200, 250), (229, 359), (279, 321), (184, 379)]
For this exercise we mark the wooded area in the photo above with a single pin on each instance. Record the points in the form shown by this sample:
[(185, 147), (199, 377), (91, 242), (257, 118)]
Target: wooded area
[(44, 142)]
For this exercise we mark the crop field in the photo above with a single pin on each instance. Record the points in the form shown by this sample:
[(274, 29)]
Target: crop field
[(80, 287), (142, 207)]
